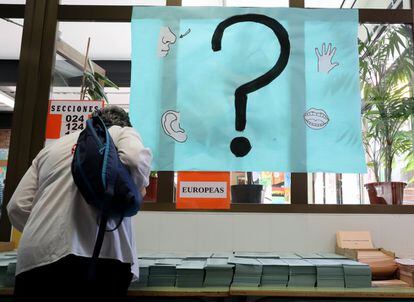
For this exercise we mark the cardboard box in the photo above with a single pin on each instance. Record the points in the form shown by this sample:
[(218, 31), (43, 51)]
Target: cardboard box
[(354, 240), (358, 246)]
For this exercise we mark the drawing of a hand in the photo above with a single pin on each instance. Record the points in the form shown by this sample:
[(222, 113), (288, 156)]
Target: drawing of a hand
[(325, 64)]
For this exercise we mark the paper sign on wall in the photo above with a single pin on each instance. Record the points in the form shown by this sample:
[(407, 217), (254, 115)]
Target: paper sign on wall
[(247, 89), (203, 190), (65, 117)]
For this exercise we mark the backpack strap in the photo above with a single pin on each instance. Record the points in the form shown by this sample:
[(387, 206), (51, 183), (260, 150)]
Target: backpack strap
[(98, 245)]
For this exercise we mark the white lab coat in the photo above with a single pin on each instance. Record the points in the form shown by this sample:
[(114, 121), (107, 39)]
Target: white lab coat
[(55, 219)]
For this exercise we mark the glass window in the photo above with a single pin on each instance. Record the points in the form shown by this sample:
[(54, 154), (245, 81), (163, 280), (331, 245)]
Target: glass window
[(110, 51), (113, 2), (12, 1), (384, 4), (11, 30), (386, 75), (241, 3)]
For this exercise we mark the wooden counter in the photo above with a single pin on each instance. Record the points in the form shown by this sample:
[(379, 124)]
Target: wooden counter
[(286, 292), (388, 293)]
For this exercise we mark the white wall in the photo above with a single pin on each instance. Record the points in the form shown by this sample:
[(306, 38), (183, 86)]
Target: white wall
[(190, 231)]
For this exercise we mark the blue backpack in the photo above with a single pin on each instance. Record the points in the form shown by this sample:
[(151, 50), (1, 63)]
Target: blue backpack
[(102, 178)]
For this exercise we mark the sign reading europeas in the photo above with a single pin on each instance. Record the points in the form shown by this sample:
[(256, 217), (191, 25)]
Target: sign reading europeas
[(247, 89)]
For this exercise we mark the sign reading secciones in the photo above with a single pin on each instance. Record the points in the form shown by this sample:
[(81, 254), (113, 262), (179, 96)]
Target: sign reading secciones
[(203, 190), (67, 116)]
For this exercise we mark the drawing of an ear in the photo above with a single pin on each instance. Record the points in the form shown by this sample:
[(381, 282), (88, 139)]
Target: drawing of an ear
[(170, 122)]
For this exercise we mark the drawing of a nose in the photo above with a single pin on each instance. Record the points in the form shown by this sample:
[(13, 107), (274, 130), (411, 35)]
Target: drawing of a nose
[(167, 37)]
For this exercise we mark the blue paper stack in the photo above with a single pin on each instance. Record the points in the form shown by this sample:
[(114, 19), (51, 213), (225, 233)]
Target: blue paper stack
[(301, 273), (248, 271), (190, 273), (275, 272), (219, 272)]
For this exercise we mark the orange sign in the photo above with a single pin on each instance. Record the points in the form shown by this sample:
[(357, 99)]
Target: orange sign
[(67, 116), (203, 190)]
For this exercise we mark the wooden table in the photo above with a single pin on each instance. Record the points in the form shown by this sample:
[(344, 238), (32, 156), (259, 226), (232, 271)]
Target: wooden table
[(166, 291), (379, 293), (258, 293)]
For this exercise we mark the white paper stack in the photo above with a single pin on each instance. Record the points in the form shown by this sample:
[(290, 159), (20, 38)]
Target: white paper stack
[(275, 272), (219, 273), (301, 273), (190, 273), (248, 271)]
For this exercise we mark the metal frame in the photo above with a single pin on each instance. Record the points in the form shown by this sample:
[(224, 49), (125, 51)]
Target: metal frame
[(35, 69)]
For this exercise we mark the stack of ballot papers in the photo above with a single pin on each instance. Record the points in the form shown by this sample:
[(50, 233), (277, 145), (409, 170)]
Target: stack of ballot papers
[(301, 273), (393, 283), (357, 274), (144, 265), (329, 273), (406, 270), (288, 255), (218, 273), (275, 272), (8, 262), (256, 255), (163, 255), (328, 255), (223, 255), (309, 255), (383, 266), (248, 271), (198, 256), (190, 273), (163, 272)]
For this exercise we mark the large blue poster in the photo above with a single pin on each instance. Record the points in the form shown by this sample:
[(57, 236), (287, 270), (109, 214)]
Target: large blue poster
[(247, 89)]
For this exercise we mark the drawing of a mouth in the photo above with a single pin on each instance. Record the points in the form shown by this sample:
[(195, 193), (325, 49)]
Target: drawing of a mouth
[(316, 118)]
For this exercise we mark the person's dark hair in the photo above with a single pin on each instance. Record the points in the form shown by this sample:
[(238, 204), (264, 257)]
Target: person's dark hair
[(113, 116)]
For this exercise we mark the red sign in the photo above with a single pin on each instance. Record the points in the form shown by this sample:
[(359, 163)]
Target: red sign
[(203, 190), (66, 116)]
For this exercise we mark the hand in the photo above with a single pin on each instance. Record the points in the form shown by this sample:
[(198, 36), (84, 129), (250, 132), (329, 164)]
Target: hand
[(325, 64)]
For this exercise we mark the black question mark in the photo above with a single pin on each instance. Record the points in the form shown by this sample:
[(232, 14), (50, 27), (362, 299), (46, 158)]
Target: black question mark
[(240, 146)]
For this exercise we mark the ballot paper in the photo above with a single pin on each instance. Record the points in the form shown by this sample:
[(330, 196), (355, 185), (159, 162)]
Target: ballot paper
[(288, 255), (223, 255), (301, 273), (357, 274), (190, 273), (275, 272), (248, 271), (8, 262), (329, 273), (144, 265), (328, 255), (309, 255), (198, 256), (218, 273), (256, 254), (163, 272)]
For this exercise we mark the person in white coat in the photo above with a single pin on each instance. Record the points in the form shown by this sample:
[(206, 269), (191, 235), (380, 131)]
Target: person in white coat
[(60, 228)]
